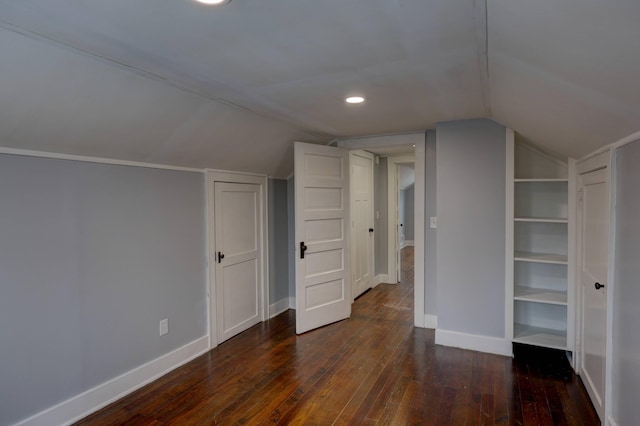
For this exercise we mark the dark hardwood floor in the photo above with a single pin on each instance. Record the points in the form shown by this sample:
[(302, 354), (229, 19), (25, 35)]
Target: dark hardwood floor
[(374, 368)]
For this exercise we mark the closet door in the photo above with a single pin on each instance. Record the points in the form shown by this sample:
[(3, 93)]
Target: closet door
[(594, 209)]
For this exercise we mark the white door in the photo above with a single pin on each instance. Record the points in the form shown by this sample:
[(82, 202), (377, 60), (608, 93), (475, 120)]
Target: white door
[(323, 294), (362, 241), (594, 211), (237, 257)]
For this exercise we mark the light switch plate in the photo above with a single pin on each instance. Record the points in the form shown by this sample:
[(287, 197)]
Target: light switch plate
[(433, 222)]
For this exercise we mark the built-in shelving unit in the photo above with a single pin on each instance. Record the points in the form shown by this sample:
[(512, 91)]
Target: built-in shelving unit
[(540, 296)]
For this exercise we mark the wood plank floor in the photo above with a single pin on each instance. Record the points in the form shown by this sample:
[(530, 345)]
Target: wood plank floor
[(374, 368)]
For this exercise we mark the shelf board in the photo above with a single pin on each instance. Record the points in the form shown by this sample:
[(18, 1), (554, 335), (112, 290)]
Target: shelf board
[(545, 337), (542, 180), (542, 219), (559, 259), (539, 295)]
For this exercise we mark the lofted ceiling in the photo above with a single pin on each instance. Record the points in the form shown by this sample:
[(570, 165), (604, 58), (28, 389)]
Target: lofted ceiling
[(177, 82)]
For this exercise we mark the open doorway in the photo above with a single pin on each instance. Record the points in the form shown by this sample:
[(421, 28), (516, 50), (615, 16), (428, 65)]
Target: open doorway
[(406, 221), (386, 150), (400, 190)]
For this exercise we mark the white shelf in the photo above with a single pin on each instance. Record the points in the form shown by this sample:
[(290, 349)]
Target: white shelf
[(542, 219), (558, 259), (540, 298), (539, 295), (545, 337), (541, 180)]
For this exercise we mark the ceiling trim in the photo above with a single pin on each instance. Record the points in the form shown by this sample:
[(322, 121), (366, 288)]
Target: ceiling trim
[(382, 140), (98, 160)]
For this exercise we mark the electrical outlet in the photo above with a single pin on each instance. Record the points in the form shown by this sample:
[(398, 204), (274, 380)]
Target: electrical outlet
[(433, 222), (164, 326)]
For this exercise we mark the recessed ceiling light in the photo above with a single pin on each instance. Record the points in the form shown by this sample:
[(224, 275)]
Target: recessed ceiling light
[(354, 100), (214, 2)]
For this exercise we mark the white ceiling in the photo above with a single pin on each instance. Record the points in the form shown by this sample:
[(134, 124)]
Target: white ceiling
[(177, 82)]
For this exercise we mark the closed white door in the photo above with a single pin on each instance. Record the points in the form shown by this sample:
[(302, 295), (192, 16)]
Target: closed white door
[(593, 280), (323, 293), (237, 257), (362, 242)]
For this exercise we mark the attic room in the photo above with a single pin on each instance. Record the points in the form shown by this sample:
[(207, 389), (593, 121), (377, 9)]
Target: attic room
[(144, 144)]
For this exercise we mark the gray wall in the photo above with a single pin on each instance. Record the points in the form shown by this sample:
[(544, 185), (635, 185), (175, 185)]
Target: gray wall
[(626, 314), (92, 257), (278, 241), (407, 212), (471, 234), (291, 225), (381, 228), (431, 235)]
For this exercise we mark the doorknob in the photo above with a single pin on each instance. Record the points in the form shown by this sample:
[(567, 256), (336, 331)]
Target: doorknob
[(599, 286), (303, 248), (370, 229), (220, 257)]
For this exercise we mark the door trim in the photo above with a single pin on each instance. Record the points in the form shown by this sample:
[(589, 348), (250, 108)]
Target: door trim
[(214, 176)]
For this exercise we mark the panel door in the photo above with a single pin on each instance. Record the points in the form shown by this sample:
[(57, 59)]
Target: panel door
[(593, 279), (237, 257), (362, 242), (323, 293)]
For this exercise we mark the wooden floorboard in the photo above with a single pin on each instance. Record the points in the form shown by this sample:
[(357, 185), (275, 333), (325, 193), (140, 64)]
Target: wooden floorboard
[(372, 369)]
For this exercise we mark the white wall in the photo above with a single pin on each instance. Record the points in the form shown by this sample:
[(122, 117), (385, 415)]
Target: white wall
[(626, 311), (471, 230)]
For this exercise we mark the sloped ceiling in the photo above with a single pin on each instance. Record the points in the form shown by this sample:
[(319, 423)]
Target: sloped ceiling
[(177, 82)]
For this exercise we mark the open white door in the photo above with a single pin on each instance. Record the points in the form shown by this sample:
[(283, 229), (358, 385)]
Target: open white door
[(362, 243), (323, 293)]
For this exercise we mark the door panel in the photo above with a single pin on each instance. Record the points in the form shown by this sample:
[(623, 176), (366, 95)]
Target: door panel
[(238, 282), (595, 255), (322, 239), (362, 220)]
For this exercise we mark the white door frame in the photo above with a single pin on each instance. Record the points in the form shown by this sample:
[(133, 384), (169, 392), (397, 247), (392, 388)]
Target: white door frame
[(214, 176), (419, 142), (371, 215), (601, 160), (392, 213)]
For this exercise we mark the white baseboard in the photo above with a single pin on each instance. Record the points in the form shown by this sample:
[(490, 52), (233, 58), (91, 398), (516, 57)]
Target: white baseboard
[(82, 405), (379, 279), (292, 302), (407, 243), (492, 345), (279, 307), (431, 321)]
